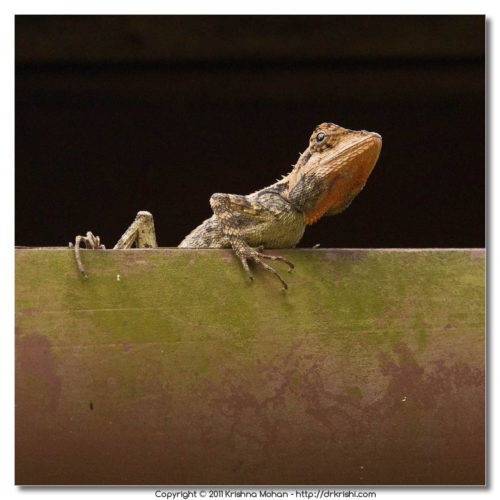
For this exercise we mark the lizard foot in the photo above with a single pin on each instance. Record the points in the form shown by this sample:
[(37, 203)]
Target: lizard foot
[(257, 257), (92, 242)]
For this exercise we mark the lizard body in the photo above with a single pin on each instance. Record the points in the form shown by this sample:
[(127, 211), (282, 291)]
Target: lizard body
[(327, 177), (274, 223)]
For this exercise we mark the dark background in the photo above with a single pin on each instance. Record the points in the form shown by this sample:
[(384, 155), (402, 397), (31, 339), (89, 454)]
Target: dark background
[(116, 114)]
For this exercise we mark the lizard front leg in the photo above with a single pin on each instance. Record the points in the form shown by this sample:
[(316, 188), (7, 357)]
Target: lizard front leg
[(224, 207), (140, 233), (90, 241)]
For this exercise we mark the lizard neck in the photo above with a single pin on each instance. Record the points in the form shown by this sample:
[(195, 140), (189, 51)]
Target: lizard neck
[(327, 181)]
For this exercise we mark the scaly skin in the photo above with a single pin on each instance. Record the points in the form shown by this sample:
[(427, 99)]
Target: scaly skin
[(325, 180)]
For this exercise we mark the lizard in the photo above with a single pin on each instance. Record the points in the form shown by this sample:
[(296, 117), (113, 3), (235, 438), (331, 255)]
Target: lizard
[(328, 175)]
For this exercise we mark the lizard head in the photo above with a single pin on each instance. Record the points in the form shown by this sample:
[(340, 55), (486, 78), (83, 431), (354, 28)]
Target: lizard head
[(332, 170)]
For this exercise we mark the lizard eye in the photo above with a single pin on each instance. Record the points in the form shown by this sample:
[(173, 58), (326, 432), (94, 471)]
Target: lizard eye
[(320, 137)]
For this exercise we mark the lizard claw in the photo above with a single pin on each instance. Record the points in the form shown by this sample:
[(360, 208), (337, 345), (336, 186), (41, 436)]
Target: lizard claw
[(257, 257), (278, 257), (92, 242)]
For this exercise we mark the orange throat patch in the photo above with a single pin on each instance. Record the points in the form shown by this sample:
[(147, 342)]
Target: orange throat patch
[(344, 183)]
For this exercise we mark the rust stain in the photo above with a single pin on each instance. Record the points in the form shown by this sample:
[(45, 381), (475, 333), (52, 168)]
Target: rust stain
[(250, 411), (425, 386), (36, 359), (253, 411), (293, 406)]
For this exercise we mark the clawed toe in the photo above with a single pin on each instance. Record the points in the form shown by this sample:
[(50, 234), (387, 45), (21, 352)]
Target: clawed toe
[(278, 257), (91, 242), (258, 257)]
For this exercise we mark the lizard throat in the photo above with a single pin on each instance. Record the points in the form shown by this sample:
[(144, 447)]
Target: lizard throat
[(328, 183)]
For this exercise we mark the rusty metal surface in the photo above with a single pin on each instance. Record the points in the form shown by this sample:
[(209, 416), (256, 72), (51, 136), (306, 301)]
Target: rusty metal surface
[(369, 371)]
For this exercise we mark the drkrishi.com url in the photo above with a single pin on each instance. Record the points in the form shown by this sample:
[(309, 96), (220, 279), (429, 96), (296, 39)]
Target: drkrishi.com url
[(312, 494)]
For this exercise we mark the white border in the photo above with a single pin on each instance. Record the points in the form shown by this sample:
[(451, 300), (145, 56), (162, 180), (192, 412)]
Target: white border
[(9, 8)]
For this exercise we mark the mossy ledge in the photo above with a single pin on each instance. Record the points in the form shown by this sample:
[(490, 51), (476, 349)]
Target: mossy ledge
[(169, 366)]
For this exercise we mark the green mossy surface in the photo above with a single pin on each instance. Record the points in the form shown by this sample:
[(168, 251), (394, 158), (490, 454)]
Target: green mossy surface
[(201, 301), (204, 296), (182, 346)]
